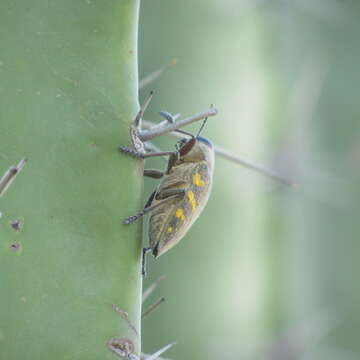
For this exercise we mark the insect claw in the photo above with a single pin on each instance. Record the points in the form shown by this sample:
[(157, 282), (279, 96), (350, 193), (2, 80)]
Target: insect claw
[(131, 152), (132, 218), (126, 221), (129, 220)]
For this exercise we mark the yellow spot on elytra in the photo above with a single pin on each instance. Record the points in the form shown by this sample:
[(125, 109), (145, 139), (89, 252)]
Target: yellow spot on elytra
[(191, 198), (180, 214), (197, 180), (169, 229)]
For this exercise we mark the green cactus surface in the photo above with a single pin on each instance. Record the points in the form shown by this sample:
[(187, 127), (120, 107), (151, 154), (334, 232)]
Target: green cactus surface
[(68, 92)]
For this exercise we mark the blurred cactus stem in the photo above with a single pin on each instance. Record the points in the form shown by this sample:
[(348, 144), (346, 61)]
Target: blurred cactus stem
[(70, 279)]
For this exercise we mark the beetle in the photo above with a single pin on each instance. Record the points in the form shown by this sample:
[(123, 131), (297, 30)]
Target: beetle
[(182, 193)]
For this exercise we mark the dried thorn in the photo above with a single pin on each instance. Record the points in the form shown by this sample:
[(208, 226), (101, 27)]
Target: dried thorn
[(152, 307), (234, 158), (298, 339), (250, 165), (169, 119), (152, 288), (167, 116), (122, 347), (10, 175), (164, 114), (136, 126), (154, 75), (138, 117), (157, 354), (145, 356), (16, 247), (17, 225), (146, 135), (176, 116), (138, 145), (125, 316)]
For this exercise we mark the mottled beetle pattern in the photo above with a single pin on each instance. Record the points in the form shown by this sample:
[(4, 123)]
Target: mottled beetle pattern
[(183, 191), (191, 175)]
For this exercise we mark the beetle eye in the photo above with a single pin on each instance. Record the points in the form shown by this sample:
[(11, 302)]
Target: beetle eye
[(187, 146), (182, 142), (179, 144)]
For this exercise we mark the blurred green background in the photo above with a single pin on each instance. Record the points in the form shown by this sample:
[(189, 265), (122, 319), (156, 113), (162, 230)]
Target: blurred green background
[(267, 272)]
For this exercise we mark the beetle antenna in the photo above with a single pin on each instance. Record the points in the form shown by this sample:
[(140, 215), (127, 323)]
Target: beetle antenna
[(201, 127), (184, 132)]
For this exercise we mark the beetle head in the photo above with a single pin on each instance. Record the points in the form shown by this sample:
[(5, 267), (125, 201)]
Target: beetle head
[(196, 149)]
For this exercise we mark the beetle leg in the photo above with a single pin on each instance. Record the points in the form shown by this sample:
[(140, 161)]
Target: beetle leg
[(155, 174), (143, 260), (131, 152), (163, 153), (135, 129), (169, 193), (171, 197), (164, 194), (150, 147), (150, 200), (139, 154)]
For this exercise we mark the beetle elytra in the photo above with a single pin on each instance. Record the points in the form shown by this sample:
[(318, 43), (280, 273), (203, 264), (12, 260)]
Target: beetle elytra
[(183, 190)]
